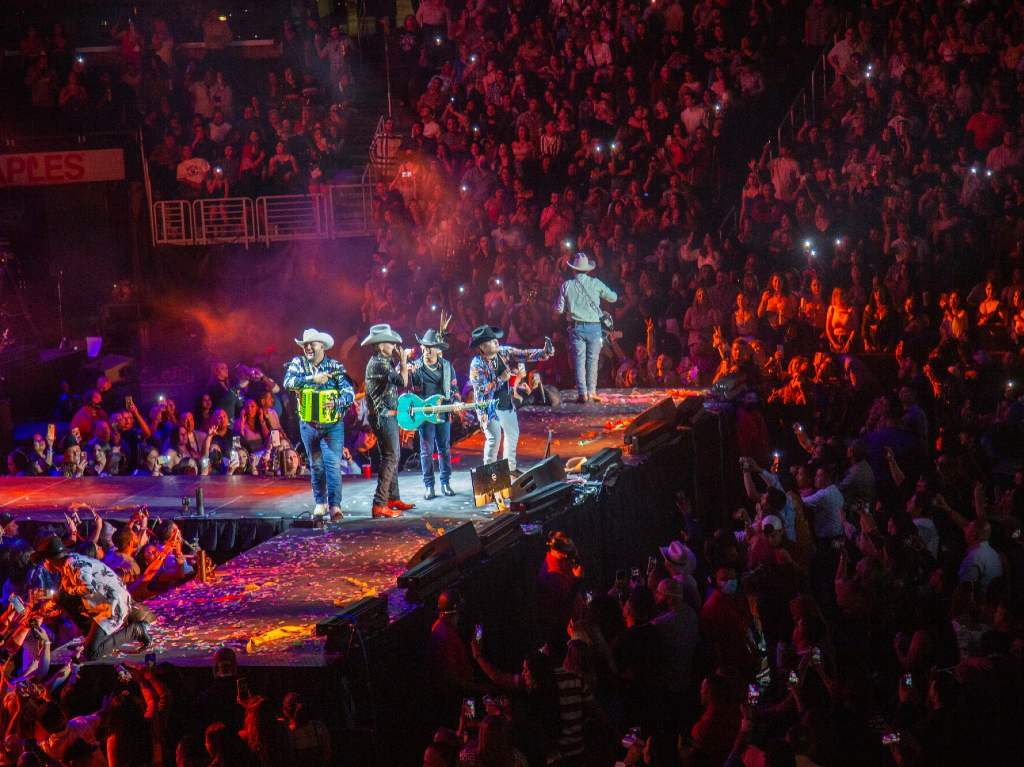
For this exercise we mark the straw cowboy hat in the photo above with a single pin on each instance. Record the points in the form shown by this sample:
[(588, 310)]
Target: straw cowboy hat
[(581, 263), (381, 334), (485, 333), (680, 555), (432, 339), (312, 335)]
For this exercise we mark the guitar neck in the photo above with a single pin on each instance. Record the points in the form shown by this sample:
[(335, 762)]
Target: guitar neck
[(446, 408)]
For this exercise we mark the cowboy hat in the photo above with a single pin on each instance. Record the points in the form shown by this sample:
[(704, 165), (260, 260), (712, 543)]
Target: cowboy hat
[(432, 339), (381, 334), (581, 263), (312, 335), (50, 547), (680, 555), (485, 333)]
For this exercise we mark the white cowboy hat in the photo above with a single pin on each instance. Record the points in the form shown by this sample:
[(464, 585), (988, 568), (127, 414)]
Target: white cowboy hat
[(311, 335), (581, 263), (380, 334), (680, 555)]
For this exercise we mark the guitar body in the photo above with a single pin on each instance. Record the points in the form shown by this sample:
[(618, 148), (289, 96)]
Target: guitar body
[(410, 413)]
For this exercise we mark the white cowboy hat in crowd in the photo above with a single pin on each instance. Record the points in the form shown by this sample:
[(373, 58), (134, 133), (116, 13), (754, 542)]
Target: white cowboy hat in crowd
[(581, 263), (311, 335)]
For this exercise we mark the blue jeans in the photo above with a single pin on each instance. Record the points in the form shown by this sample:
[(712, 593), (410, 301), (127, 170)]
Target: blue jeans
[(324, 444), (439, 434), (586, 340)]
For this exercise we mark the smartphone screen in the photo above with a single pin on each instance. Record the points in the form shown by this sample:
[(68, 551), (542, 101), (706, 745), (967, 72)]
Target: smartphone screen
[(753, 694), (635, 572), (275, 438), (469, 708), (243, 688), (478, 634), (51, 432)]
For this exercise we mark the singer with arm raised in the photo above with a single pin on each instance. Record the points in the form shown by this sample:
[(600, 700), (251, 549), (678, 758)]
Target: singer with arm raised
[(489, 374), (387, 369)]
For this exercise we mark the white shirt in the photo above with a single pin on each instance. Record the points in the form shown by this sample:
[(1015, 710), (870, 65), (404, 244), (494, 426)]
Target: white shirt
[(929, 535), (693, 117), (785, 177), (981, 565), (827, 506)]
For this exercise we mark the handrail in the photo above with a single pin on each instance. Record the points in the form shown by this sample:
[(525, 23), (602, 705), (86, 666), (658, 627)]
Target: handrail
[(732, 215)]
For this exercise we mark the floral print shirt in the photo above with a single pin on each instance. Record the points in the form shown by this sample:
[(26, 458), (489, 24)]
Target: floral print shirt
[(105, 598)]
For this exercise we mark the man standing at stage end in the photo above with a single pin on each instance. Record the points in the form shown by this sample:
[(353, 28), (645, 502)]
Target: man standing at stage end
[(579, 299), (324, 392)]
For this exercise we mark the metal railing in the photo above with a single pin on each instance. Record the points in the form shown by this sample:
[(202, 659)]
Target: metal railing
[(173, 223), (224, 220), (804, 107), (349, 210), (342, 210), (290, 217)]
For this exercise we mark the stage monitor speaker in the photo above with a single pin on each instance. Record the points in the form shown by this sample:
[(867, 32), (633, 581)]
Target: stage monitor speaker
[(550, 498), (605, 458), (500, 533), (368, 615), (548, 471), (663, 411), (457, 545)]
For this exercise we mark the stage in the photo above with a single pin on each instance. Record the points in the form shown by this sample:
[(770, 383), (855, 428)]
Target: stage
[(266, 600)]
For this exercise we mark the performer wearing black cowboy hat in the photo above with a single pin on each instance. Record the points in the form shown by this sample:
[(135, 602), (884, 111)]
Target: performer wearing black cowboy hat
[(489, 373), (323, 392), (383, 377), (95, 598), (433, 374)]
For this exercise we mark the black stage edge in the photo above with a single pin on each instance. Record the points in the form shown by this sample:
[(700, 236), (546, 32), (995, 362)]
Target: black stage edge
[(618, 527)]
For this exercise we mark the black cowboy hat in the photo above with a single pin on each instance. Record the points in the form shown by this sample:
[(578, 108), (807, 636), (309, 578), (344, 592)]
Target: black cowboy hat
[(432, 339), (485, 333), (50, 547)]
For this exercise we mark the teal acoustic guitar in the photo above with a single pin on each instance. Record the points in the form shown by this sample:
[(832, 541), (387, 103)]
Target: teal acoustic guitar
[(413, 411)]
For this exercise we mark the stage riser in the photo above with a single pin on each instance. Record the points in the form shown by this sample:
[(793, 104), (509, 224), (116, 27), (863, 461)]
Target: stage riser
[(619, 528)]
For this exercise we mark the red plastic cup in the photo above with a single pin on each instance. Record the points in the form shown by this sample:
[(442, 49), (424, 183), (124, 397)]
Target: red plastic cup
[(366, 470)]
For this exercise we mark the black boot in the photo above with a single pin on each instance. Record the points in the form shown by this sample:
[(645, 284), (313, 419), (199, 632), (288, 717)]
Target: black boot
[(447, 489), (140, 633), (429, 494)]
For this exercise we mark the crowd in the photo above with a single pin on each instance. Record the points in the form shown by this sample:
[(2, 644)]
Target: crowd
[(865, 606), (846, 615), (214, 124)]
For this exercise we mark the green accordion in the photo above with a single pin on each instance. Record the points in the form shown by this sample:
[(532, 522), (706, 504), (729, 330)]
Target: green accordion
[(320, 405)]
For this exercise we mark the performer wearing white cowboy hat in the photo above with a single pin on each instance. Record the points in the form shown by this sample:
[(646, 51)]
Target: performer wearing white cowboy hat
[(489, 373), (432, 374), (383, 377), (579, 300), (323, 392)]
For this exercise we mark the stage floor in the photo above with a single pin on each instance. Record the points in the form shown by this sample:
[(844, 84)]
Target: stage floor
[(267, 601), (577, 430)]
